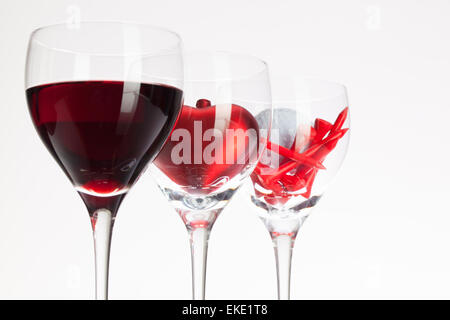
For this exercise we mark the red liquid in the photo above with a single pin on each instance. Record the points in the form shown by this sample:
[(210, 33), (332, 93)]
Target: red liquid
[(103, 133)]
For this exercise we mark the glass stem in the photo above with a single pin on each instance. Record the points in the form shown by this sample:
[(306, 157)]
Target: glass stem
[(102, 224), (283, 244), (199, 247)]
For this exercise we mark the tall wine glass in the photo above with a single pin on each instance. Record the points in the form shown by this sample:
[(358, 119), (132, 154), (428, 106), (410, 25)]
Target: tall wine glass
[(216, 143), (103, 97), (308, 143)]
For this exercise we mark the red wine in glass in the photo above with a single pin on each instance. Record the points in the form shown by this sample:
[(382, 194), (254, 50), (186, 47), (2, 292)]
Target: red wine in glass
[(103, 133), (102, 96)]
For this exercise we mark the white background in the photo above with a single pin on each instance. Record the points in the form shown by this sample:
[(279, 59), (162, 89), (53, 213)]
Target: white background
[(382, 229)]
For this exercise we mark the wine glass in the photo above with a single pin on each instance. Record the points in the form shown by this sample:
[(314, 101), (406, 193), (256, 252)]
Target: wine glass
[(103, 97), (215, 144), (307, 146)]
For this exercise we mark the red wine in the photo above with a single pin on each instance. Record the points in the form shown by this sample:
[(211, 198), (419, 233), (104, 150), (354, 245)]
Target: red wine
[(103, 133)]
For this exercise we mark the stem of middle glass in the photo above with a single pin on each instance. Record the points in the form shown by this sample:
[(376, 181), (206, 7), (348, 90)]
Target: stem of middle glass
[(199, 224), (199, 249)]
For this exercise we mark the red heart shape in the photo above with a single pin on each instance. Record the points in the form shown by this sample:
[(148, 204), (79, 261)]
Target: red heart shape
[(234, 150)]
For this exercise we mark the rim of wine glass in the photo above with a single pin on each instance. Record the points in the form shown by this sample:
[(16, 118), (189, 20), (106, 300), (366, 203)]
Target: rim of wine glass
[(176, 36), (264, 65), (309, 79)]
